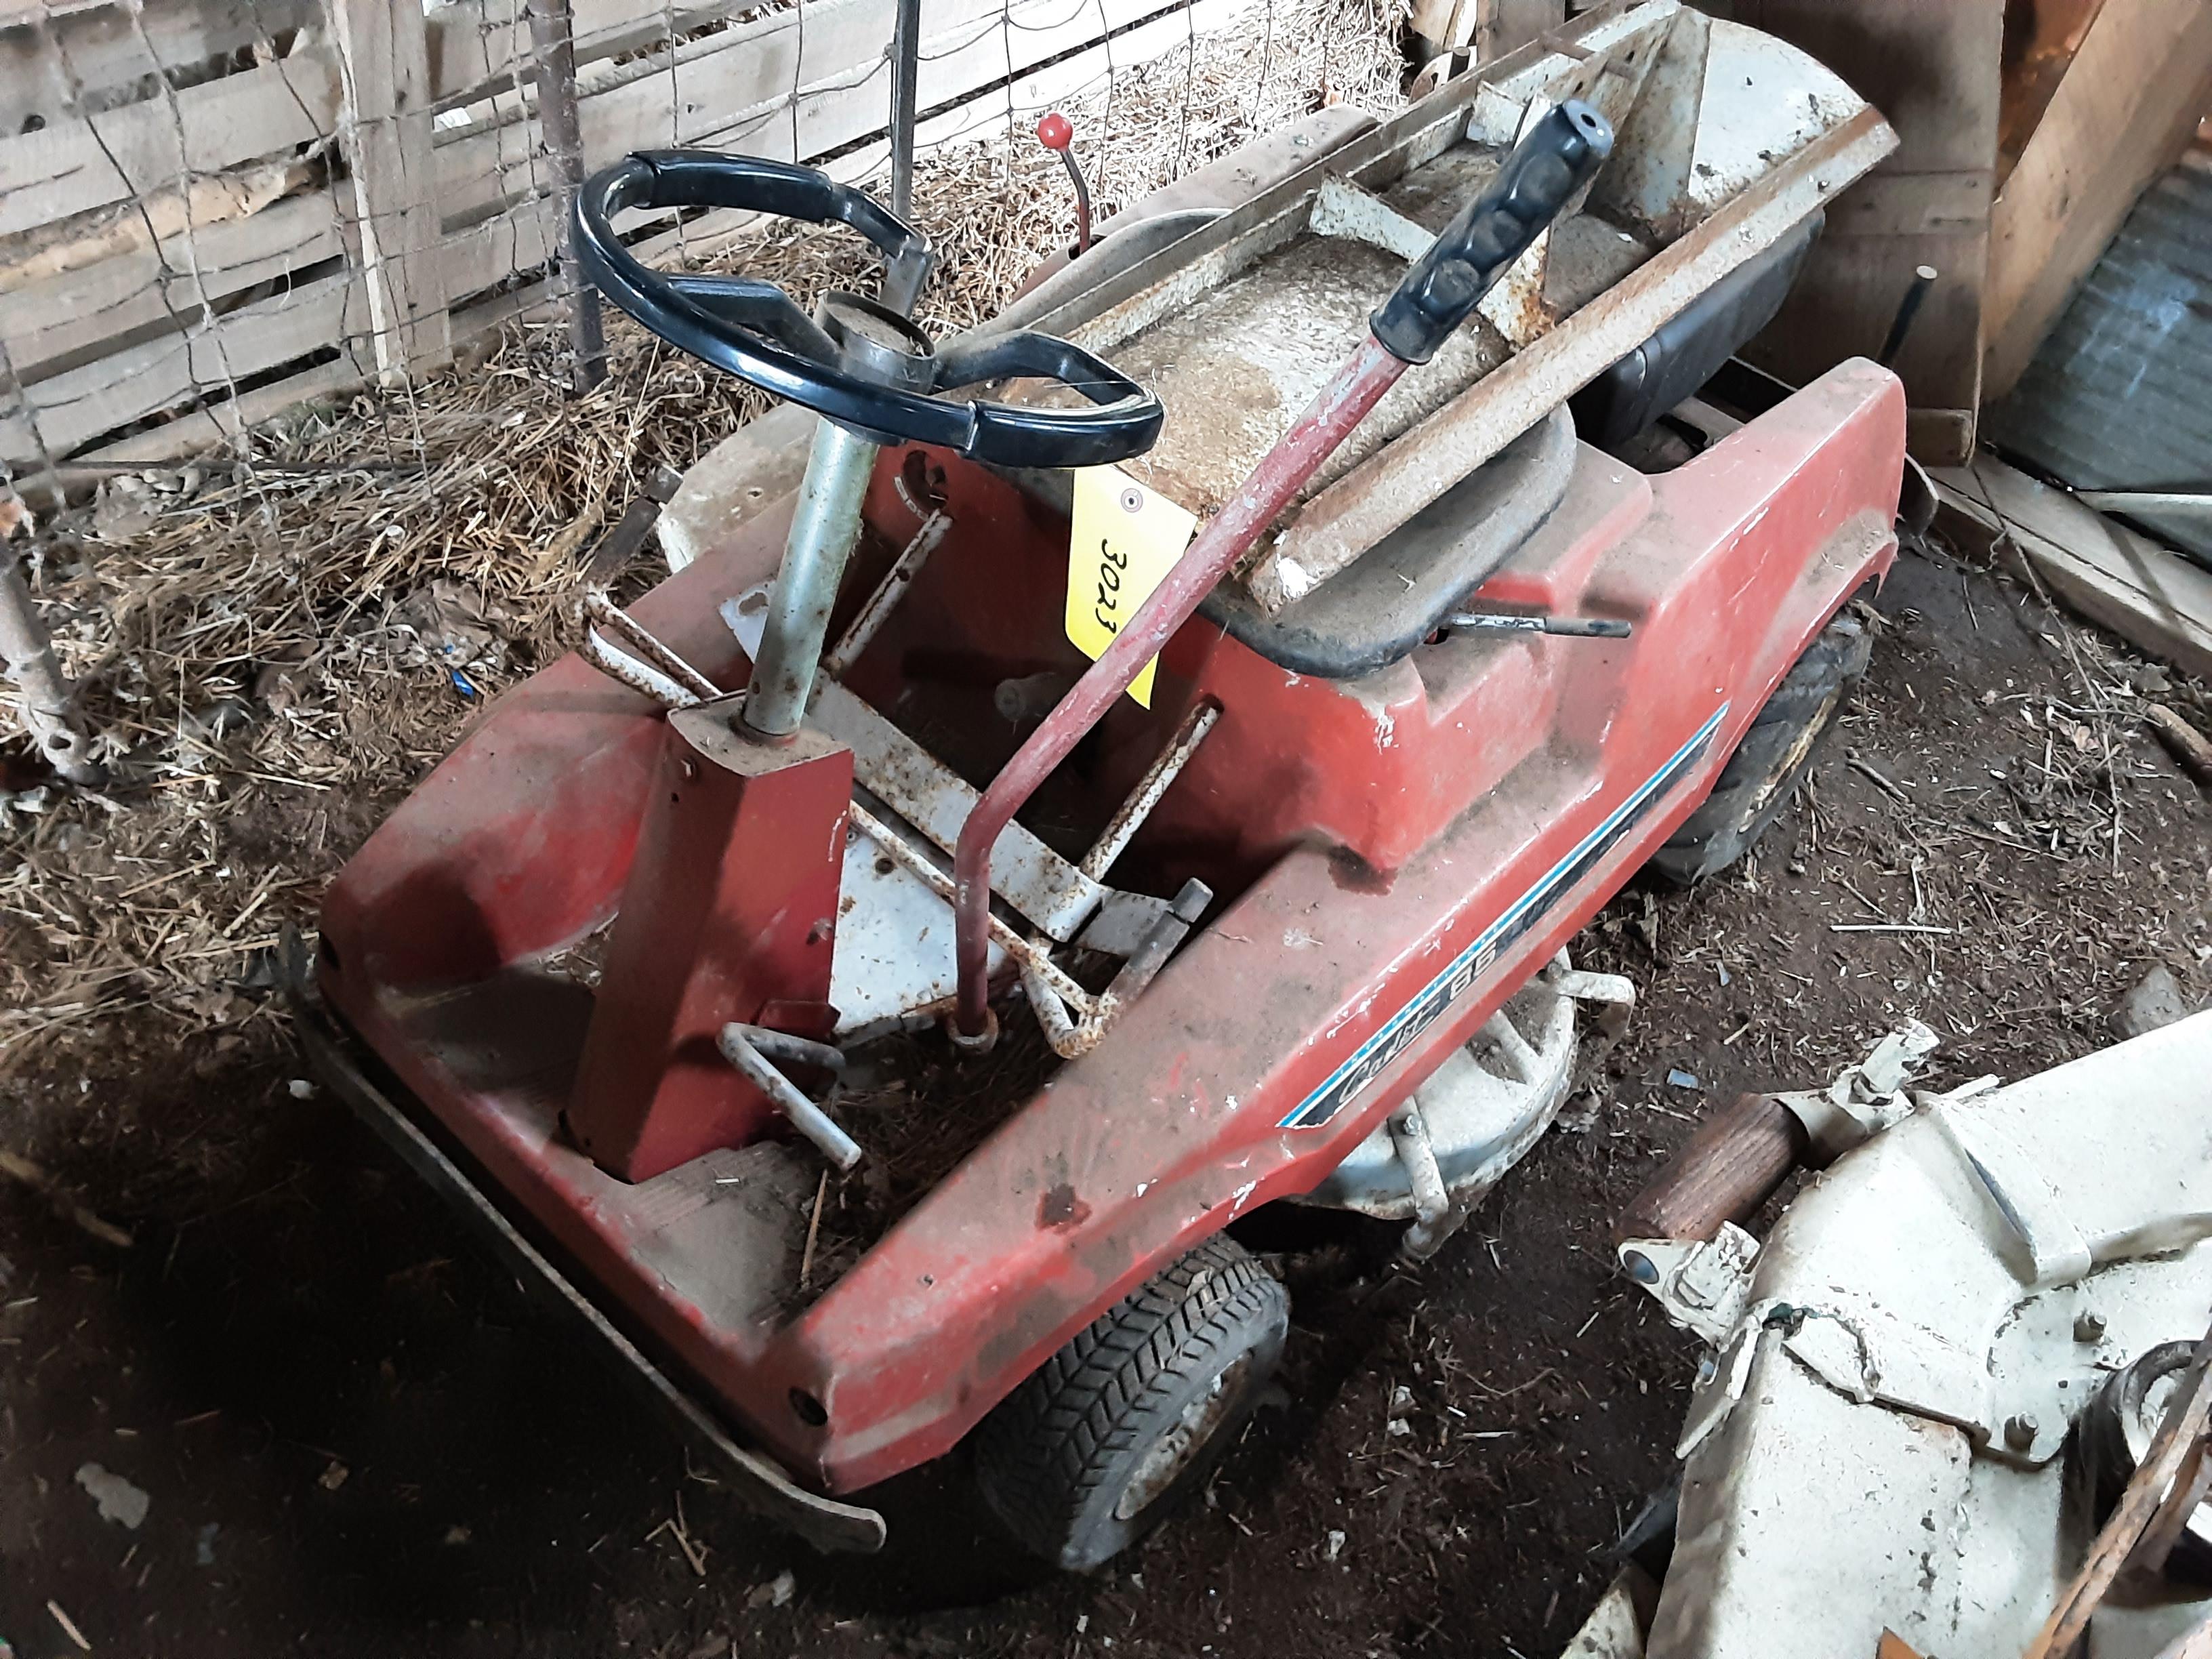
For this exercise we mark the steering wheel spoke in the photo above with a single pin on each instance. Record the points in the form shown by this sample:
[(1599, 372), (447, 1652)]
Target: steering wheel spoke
[(747, 302)]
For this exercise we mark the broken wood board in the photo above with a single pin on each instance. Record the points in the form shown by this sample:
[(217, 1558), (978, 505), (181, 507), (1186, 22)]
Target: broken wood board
[(2124, 110), (2149, 595)]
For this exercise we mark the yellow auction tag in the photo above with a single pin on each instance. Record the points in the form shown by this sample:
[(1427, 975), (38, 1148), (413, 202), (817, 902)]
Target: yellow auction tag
[(1125, 538)]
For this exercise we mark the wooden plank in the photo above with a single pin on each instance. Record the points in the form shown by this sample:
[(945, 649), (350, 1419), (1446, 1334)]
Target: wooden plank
[(1934, 72), (1515, 23), (386, 135), (1431, 24), (737, 88), (123, 229), (2146, 593), (49, 324), (2124, 112), (72, 409), (476, 46), (52, 65), (70, 168), (2039, 46), (745, 106), (202, 428), (217, 422)]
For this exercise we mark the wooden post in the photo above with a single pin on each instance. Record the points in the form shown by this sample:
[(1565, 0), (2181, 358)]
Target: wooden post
[(385, 133)]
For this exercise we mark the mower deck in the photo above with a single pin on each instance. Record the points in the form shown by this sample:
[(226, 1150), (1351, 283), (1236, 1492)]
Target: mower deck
[(1395, 854)]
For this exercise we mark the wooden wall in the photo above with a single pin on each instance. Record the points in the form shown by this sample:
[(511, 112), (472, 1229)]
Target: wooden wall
[(211, 210), (1932, 67)]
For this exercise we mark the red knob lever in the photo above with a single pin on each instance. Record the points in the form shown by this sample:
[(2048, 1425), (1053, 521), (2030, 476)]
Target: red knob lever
[(1055, 132)]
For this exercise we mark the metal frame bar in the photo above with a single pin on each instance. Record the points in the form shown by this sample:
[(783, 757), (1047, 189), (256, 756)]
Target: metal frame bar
[(802, 1113), (1166, 769), (889, 591)]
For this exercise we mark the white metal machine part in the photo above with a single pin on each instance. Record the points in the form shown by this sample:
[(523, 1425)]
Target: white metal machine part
[(1877, 1442), (1436, 1157)]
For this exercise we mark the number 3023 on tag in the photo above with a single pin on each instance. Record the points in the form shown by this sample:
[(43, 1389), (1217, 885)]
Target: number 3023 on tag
[(1125, 539)]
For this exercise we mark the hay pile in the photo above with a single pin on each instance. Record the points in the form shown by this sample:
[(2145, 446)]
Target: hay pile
[(277, 643)]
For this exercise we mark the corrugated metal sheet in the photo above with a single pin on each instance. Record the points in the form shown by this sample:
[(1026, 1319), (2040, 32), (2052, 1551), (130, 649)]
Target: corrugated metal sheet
[(2120, 395)]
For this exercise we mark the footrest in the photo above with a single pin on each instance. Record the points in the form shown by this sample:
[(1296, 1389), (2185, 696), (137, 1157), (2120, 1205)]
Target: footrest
[(757, 1481)]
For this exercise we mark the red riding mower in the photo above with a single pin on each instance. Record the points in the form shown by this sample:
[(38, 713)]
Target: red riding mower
[(1268, 901)]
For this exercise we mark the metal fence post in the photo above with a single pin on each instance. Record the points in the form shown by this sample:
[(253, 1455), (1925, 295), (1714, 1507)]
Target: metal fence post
[(553, 45)]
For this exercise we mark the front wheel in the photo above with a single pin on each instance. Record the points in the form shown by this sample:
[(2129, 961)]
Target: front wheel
[(1093, 1449), (1772, 761)]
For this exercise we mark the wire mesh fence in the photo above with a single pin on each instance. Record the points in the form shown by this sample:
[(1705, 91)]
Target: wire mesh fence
[(280, 303), (211, 209)]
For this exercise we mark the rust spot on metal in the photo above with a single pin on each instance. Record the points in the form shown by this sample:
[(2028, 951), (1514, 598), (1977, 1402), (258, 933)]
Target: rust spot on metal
[(1060, 1207), (1354, 874)]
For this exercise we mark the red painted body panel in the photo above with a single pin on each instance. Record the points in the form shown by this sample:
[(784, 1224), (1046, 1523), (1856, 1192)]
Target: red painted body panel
[(1365, 833), (1336, 410), (731, 906)]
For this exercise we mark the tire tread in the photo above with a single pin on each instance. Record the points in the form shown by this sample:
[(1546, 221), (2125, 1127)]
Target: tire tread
[(1042, 1453)]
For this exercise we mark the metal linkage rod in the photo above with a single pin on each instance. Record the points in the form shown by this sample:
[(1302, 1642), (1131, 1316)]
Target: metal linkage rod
[(1166, 769), (810, 1120), (888, 593)]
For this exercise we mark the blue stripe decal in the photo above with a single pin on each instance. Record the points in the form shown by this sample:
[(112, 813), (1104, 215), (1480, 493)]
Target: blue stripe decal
[(1398, 1033)]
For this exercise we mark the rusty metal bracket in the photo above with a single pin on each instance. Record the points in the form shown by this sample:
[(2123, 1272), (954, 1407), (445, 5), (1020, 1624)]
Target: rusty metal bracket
[(48, 700)]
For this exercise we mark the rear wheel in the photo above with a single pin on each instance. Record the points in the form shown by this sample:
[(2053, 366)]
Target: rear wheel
[(1772, 761), (1094, 1448)]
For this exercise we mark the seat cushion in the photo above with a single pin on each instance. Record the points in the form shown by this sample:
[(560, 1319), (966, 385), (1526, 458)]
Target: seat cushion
[(1397, 593)]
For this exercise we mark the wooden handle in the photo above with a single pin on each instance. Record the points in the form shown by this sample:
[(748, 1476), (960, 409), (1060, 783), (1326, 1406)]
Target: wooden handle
[(1731, 1166)]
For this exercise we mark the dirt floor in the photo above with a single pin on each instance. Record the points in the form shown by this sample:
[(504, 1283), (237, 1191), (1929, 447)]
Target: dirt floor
[(357, 1437)]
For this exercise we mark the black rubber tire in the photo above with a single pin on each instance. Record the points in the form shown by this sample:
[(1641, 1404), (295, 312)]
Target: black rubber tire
[(1772, 759), (1060, 1458)]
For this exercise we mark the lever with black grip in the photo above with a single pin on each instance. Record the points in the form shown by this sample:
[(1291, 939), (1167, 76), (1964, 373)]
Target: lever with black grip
[(1553, 160)]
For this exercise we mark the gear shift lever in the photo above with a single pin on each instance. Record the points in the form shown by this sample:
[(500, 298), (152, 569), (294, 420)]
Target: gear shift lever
[(1056, 133)]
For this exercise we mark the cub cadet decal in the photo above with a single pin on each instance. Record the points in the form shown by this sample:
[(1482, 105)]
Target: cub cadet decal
[(1398, 1032)]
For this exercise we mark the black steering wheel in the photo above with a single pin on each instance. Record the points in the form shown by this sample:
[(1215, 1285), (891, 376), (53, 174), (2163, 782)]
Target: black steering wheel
[(860, 363)]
